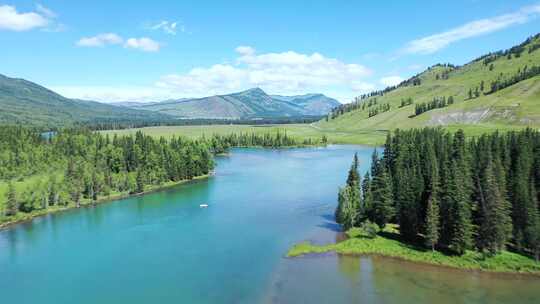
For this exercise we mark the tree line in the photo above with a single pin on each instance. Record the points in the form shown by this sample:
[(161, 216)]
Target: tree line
[(451, 193), (77, 165), (521, 75), (435, 103)]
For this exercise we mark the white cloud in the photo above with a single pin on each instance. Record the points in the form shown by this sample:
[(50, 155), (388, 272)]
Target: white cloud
[(12, 20), (145, 44), (100, 40), (168, 27), (284, 73), (436, 42), (114, 94), (391, 81), (245, 50), (278, 73)]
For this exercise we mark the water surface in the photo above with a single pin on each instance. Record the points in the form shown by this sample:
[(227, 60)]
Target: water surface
[(163, 247)]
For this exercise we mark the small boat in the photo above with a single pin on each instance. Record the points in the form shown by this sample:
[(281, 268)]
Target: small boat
[(203, 205)]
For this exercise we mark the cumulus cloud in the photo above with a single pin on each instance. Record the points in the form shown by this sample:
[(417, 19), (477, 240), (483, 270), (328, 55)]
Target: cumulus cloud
[(436, 42), (100, 40), (391, 80), (285, 73), (12, 20), (144, 44)]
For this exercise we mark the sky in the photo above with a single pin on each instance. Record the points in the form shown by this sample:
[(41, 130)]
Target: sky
[(114, 51)]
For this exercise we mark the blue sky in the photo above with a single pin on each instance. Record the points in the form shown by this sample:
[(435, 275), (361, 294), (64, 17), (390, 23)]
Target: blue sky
[(130, 50)]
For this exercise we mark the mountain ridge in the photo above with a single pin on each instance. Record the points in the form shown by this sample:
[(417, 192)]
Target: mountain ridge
[(253, 103), (26, 102)]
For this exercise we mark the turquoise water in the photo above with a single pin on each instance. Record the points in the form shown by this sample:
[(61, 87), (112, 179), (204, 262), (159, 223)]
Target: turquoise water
[(163, 248)]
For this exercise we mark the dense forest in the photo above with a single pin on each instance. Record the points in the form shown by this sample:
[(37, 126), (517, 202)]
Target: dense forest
[(41, 171), (451, 193)]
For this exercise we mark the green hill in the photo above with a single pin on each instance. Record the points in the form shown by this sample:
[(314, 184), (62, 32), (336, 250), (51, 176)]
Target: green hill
[(515, 103), (249, 104), (26, 103)]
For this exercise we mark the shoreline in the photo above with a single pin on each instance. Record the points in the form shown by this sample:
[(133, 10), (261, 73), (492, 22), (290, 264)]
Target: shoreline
[(505, 263), (101, 200), (423, 263)]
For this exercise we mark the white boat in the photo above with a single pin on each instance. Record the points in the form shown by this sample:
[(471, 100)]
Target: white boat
[(203, 205)]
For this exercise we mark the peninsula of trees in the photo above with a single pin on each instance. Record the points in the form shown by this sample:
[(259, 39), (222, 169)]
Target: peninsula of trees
[(449, 193)]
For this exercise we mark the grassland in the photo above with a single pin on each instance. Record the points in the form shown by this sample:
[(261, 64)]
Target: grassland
[(297, 131), (387, 244)]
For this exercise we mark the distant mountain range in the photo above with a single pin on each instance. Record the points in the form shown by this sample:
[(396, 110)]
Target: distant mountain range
[(27, 103), (250, 104)]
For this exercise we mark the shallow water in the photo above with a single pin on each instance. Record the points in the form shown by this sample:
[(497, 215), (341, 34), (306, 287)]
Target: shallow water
[(163, 247)]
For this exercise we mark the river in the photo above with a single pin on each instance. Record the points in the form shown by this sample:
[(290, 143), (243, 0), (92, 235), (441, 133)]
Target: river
[(163, 248)]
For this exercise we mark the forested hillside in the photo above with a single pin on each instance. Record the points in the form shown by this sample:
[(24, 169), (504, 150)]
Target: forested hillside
[(497, 90)]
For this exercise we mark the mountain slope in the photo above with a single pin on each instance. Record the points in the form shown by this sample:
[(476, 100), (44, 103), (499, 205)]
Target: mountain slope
[(24, 102), (316, 104), (514, 106), (250, 104)]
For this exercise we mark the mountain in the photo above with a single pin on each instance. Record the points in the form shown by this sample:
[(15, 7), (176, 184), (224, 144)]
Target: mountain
[(500, 90), (24, 102), (249, 104), (317, 104)]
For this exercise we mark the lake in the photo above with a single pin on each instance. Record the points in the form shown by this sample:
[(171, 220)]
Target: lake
[(163, 248)]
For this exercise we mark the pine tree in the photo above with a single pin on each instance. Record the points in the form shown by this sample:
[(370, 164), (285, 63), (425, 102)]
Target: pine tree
[(463, 228), (432, 221), (496, 225), (353, 179), (12, 205), (139, 181), (382, 202), (432, 216)]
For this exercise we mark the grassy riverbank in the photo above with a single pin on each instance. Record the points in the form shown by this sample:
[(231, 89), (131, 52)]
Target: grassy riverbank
[(22, 217), (387, 243)]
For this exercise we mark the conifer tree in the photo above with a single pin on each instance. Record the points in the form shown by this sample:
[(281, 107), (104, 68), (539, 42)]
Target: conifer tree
[(432, 217), (432, 221), (495, 222), (11, 205), (353, 179), (139, 179), (382, 201)]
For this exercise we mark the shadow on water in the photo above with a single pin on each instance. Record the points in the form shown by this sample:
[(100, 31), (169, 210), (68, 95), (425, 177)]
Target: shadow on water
[(330, 226), (330, 223)]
